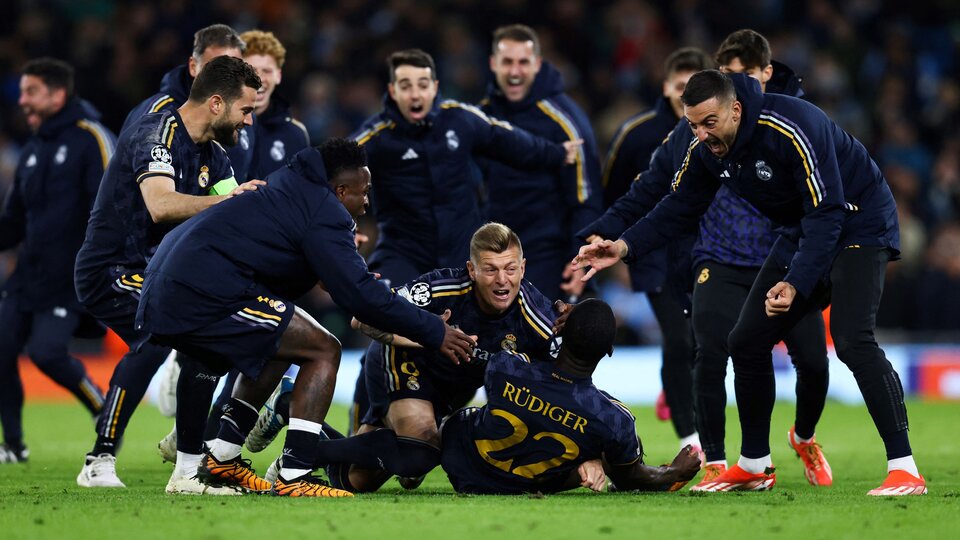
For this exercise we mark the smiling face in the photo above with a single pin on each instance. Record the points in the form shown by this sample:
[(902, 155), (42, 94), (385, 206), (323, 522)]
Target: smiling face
[(353, 190), (515, 66), (496, 278), (715, 123), (414, 90), (269, 73), (233, 116), (38, 101)]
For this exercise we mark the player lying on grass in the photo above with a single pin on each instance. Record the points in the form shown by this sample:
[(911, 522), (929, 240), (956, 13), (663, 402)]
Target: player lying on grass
[(544, 419), (411, 389), (219, 288), (543, 429)]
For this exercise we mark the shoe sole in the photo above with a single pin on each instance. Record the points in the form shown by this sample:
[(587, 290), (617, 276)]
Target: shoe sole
[(755, 485), (898, 491)]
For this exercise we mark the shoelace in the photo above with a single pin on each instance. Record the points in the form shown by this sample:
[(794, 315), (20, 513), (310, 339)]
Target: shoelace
[(103, 466), (813, 454), (712, 471)]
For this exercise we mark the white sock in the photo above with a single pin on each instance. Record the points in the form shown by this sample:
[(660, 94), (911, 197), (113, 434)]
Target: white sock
[(799, 440), (299, 424), (187, 464), (720, 462), (693, 440), (223, 450), (903, 464), (755, 465)]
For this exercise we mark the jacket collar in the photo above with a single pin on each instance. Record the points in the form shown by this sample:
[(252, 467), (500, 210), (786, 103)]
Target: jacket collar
[(392, 112), (751, 99), (74, 109), (176, 83), (548, 83)]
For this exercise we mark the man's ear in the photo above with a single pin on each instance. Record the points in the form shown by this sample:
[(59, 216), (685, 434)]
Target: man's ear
[(216, 104), (192, 67), (472, 271)]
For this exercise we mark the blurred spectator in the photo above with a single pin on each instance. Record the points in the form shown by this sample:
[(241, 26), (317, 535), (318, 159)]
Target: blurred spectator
[(887, 72)]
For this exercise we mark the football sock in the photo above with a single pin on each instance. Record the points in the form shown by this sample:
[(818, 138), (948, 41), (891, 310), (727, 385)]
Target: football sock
[(904, 464), (299, 448), (217, 410), (755, 465), (692, 440), (801, 440), (897, 444), (381, 449), (235, 424), (195, 389), (127, 387), (187, 464)]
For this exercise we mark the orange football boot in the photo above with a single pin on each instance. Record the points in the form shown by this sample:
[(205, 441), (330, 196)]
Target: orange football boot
[(815, 466), (737, 479), (900, 482)]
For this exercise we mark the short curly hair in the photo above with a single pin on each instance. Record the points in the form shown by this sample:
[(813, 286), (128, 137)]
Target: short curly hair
[(265, 43), (340, 155)]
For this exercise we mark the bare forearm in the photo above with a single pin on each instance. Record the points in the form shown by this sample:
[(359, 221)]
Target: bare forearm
[(386, 338), (642, 477), (176, 207)]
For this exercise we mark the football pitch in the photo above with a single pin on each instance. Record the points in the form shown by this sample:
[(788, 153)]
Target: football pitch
[(40, 499)]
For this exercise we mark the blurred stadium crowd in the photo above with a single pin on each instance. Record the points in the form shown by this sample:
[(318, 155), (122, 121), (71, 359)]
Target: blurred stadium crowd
[(887, 72)]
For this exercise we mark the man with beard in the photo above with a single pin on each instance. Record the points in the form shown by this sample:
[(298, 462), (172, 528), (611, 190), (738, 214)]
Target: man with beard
[(838, 232), (170, 166), (45, 213), (544, 206)]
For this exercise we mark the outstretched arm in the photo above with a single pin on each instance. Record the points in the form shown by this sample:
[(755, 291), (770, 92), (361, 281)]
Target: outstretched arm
[(638, 476)]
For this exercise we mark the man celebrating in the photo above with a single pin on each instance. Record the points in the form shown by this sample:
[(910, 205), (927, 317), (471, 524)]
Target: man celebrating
[(412, 389), (46, 214), (544, 419), (790, 161), (425, 195), (547, 206), (208, 43), (279, 136), (170, 166), (265, 250)]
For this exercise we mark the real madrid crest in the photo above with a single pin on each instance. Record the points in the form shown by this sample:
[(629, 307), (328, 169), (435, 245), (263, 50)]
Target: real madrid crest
[(764, 172), (204, 176), (413, 384), (509, 343)]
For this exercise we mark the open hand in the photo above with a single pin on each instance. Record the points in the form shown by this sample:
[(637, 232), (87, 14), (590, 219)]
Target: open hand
[(599, 255)]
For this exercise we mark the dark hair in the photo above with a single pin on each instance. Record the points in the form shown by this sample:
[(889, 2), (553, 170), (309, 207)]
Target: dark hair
[(54, 73), (589, 332), (410, 57), (748, 45), (708, 84), (216, 35), (340, 155), (516, 32), (687, 59), (225, 76)]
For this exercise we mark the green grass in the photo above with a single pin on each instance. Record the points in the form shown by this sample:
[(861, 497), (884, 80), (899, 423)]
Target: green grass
[(41, 499)]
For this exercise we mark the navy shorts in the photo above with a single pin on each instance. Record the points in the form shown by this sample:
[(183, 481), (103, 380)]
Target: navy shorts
[(244, 340), (115, 300), (394, 373)]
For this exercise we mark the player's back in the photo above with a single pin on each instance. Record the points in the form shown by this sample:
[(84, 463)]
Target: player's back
[(539, 424)]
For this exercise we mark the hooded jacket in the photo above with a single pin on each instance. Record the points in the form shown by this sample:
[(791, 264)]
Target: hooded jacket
[(174, 92), (798, 168), (47, 208), (545, 207), (425, 190), (279, 137), (286, 236)]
